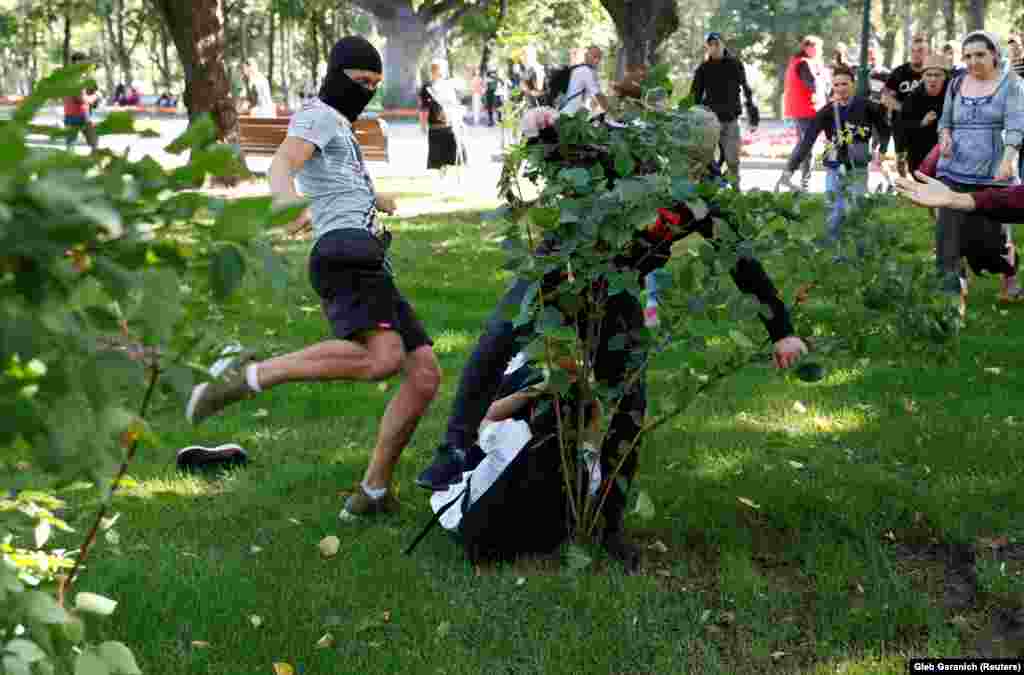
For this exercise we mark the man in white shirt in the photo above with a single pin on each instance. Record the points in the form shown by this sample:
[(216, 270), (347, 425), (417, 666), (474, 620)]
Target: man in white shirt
[(584, 87), (264, 100)]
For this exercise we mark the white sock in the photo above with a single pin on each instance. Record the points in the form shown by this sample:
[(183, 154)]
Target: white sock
[(252, 377), (373, 493)]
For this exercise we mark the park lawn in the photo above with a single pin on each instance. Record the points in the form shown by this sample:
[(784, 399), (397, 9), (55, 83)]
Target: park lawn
[(798, 527)]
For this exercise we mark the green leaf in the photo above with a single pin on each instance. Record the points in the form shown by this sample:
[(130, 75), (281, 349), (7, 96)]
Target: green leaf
[(90, 663), (644, 506), (550, 319), (545, 218), (740, 339), (576, 557), (13, 665), (201, 132), (242, 219), (42, 607), (26, 650), (226, 271), (119, 658), (617, 343), (116, 123)]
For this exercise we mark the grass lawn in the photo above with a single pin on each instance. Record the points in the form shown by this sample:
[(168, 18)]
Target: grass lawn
[(887, 522)]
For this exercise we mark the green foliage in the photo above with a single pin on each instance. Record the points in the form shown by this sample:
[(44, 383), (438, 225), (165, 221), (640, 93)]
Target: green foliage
[(93, 303)]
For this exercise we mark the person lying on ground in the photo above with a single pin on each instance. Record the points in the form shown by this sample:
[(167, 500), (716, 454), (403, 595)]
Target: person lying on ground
[(482, 375)]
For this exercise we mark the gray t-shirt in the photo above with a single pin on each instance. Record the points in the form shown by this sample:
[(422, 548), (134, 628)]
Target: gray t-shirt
[(334, 179)]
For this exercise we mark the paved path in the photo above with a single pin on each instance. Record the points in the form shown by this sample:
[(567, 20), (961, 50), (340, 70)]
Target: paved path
[(408, 148)]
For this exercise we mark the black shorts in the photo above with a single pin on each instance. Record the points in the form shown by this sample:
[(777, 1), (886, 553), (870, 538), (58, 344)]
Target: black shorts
[(348, 271), (442, 148)]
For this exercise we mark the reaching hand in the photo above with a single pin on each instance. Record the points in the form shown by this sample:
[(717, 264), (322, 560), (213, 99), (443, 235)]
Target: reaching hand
[(925, 191), (387, 205), (929, 118), (788, 351)]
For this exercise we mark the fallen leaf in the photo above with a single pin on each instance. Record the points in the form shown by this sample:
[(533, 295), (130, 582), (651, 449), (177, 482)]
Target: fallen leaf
[(799, 407), (107, 523), (283, 669), (890, 535), (294, 521), (777, 655), (262, 412), (748, 502), (520, 581), (383, 386), (255, 549), (994, 371), (386, 616), (663, 573), (658, 546), (443, 629), (796, 465), (860, 589), (200, 644), (375, 644), (112, 537), (329, 546), (256, 620), (726, 618), (325, 641)]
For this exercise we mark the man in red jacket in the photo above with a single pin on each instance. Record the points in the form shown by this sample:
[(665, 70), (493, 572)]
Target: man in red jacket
[(805, 79)]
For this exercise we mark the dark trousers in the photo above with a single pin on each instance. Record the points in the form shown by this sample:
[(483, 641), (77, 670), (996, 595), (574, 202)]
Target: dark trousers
[(961, 234), (481, 378)]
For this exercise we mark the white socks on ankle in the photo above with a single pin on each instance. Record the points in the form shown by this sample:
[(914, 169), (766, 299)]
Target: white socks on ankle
[(252, 377), (373, 493)]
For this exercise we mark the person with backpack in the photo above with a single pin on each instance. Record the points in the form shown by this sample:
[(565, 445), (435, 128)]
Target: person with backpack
[(482, 375), (580, 84), (847, 163), (980, 134), (717, 85)]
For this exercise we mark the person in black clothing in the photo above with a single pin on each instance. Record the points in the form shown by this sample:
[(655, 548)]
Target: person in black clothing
[(717, 85), (482, 375), (918, 131), (532, 82), (905, 79), (847, 163), (878, 76)]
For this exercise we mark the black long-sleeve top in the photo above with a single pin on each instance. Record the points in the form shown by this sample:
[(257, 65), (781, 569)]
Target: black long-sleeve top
[(861, 113), (653, 248), (912, 138), (717, 85)]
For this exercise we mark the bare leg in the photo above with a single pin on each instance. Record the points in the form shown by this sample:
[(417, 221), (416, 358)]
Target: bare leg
[(378, 357), (422, 379)]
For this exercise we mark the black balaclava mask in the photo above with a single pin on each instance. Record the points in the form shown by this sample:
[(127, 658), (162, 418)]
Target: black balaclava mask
[(339, 90)]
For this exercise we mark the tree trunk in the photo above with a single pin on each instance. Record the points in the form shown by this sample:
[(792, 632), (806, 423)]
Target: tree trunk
[(314, 57), (66, 53), (485, 57), (950, 14), (976, 10), (930, 18), (406, 34), (641, 26), (908, 26), (270, 48), (891, 32), (198, 32)]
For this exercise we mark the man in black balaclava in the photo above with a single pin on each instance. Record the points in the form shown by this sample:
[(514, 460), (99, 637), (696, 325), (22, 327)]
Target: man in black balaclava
[(377, 333)]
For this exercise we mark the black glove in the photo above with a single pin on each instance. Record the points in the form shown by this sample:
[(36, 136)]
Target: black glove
[(753, 115)]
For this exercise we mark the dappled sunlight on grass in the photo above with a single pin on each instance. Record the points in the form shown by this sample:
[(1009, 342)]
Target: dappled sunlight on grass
[(450, 341), (180, 485), (719, 466)]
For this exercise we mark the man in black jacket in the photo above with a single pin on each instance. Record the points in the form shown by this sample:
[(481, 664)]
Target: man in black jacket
[(716, 85)]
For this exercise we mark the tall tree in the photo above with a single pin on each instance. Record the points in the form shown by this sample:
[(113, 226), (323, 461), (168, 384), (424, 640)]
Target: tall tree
[(976, 10), (197, 28), (642, 26), (950, 14), (411, 29)]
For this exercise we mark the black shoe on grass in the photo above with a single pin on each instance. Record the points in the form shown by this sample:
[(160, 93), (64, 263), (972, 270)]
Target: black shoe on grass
[(201, 458), (447, 468)]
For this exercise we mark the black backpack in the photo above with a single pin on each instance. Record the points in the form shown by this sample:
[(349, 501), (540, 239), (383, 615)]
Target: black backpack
[(558, 84)]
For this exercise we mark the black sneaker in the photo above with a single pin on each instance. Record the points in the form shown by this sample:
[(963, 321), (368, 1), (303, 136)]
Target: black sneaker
[(201, 458), (447, 467)]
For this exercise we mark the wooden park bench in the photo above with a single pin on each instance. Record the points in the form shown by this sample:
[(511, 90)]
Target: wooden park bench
[(263, 135)]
